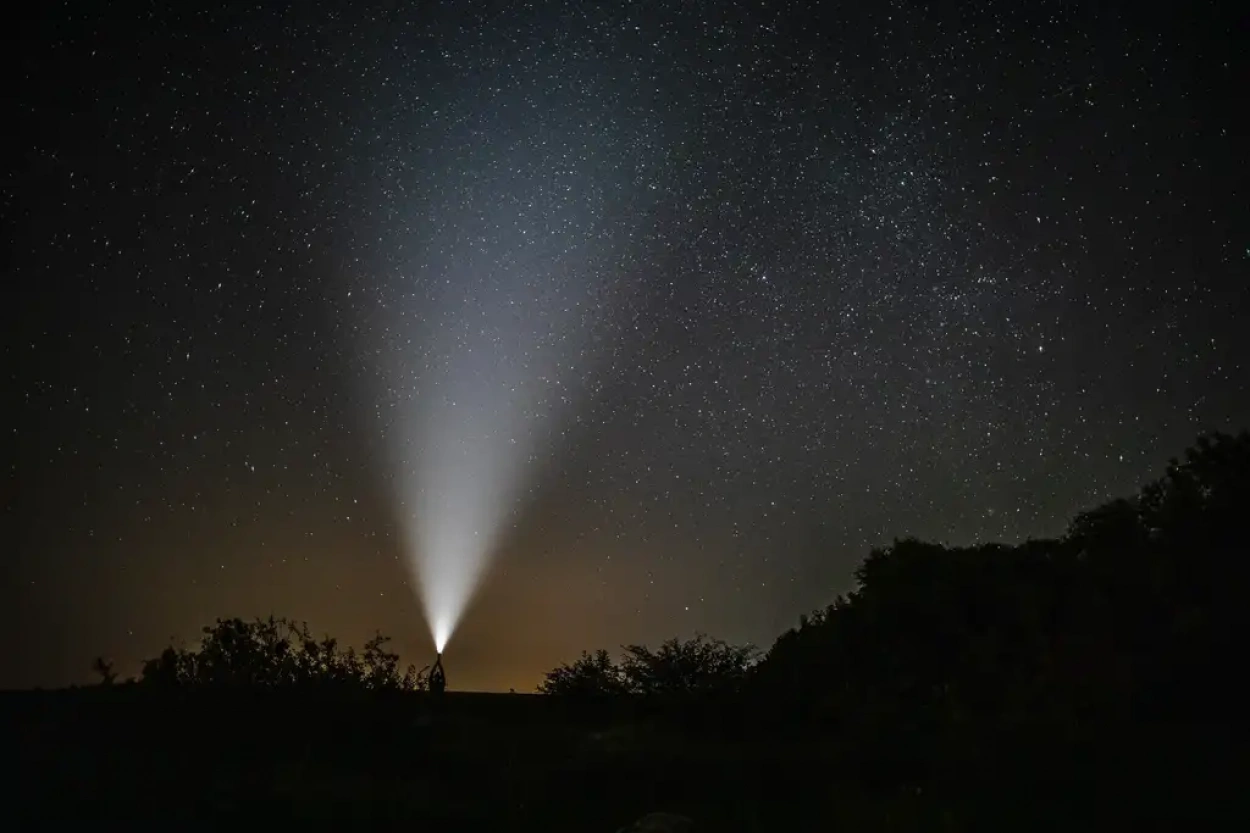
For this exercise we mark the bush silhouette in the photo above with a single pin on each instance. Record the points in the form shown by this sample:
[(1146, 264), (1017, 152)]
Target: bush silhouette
[(956, 683), (278, 653), (699, 665), (589, 676)]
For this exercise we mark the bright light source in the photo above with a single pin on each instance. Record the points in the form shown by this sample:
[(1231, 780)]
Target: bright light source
[(441, 631)]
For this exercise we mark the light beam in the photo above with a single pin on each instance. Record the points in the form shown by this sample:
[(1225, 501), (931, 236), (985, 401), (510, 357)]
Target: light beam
[(491, 380), (516, 243), (475, 432)]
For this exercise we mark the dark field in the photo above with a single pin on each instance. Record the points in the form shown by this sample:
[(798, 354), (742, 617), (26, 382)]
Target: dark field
[(475, 762), (524, 762)]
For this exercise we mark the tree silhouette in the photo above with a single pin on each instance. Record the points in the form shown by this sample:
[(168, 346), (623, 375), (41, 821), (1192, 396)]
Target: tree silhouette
[(1054, 646), (1101, 663)]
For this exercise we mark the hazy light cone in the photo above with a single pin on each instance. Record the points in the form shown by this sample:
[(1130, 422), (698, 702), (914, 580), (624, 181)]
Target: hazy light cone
[(469, 477), (490, 383), (471, 435)]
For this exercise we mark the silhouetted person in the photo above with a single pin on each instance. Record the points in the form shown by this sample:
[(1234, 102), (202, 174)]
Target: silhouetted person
[(438, 677)]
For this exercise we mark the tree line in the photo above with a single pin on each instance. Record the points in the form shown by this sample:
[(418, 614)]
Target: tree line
[(1132, 612), (1096, 672), (1130, 609), (1095, 669)]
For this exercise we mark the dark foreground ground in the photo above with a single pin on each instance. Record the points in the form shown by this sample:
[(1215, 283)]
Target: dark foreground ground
[(491, 762), (475, 762)]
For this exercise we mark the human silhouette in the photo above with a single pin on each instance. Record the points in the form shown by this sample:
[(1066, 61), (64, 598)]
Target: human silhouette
[(438, 677)]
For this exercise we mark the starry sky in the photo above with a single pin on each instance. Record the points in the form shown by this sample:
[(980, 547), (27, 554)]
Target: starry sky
[(770, 284)]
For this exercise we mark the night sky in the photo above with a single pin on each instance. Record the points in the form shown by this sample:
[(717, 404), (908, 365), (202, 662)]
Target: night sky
[(756, 287)]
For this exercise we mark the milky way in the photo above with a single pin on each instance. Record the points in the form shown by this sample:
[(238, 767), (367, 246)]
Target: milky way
[(772, 284)]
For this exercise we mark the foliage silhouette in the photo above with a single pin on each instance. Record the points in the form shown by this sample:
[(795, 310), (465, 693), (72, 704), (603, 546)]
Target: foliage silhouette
[(278, 653), (1061, 650), (953, 687), (699, 665), (590, 676), (695, 666), (1099, 657)]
